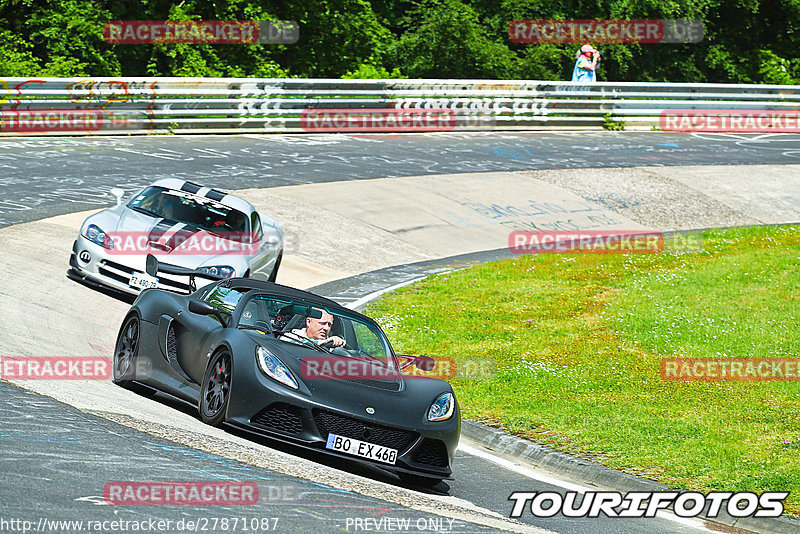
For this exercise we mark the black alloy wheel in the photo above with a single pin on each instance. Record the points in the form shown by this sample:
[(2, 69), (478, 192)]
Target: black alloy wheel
[(216, 389), (125, 352)]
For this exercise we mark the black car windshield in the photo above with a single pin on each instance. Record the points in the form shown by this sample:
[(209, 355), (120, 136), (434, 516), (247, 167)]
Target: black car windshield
[(184, 207), (306, 324)]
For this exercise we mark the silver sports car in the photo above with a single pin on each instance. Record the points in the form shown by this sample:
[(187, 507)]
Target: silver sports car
[(184, 225)]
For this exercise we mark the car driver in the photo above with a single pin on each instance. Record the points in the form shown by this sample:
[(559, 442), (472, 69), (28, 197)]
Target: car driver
[(317, 330)]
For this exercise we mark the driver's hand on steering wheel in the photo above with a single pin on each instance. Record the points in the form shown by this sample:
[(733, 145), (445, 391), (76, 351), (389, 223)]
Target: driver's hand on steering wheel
[(335, 341)]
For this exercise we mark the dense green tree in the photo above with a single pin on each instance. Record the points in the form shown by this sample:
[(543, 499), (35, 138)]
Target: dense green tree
[(445, 39), (746, 41)]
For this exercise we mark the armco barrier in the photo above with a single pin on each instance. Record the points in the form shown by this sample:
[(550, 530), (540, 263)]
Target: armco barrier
[(59, 106)]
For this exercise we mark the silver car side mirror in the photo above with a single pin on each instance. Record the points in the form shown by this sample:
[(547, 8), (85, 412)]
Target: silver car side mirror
[(118, 194)]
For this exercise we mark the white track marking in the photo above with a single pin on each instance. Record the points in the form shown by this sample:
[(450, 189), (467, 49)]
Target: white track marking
[(375, 294)]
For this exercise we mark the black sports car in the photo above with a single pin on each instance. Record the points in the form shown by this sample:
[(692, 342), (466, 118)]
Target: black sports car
[(292, 365)]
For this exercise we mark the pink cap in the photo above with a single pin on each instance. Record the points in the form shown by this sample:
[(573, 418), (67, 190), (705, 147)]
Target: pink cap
[(585, 49)]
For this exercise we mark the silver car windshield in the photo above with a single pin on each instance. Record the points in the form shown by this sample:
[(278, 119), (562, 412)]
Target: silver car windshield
[(306, 324), (184, 207)]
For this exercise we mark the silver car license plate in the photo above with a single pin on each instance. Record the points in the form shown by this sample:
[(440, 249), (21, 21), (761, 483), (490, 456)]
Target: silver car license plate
[(143, 281)]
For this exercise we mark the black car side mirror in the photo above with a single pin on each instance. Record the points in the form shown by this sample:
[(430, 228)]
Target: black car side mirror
[(201, 307), (425, 363)]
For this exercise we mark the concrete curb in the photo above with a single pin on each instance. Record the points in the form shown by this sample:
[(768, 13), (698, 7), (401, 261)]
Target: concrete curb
[(546, 458), (598, 475)]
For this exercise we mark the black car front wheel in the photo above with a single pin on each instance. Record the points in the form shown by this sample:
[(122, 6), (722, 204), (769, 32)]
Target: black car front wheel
[(125, 352), (216, 389)]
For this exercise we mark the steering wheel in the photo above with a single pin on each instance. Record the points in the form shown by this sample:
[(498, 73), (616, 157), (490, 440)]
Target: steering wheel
[(263, 324)]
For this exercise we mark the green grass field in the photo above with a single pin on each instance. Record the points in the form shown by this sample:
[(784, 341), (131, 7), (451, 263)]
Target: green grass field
[(577, 341)]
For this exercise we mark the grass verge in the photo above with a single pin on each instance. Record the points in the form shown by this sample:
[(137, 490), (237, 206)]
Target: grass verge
[(577, 341)]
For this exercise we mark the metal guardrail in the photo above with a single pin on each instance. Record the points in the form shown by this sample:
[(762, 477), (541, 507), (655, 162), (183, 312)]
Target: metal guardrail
[(59, 106)]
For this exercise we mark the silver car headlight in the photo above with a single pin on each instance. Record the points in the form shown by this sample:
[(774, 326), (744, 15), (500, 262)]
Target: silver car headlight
[(94, 234), (274, 368), (226, 271), (442, 408)]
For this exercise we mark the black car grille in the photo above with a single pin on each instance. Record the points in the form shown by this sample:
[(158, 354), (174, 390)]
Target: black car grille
[(106, 265), (388, 385), (331, 423), (280, 417), (119, 267), (430, 452), (172, 345), (113, 275)]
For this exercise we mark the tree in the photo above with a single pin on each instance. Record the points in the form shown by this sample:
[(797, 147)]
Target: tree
[(444, 39)]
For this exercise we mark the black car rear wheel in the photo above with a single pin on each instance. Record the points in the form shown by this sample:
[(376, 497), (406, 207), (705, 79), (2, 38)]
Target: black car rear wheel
[(125, 352), (216, 389)]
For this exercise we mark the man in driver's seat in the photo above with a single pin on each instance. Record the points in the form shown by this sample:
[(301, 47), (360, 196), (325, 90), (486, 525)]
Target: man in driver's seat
[(317, 330)]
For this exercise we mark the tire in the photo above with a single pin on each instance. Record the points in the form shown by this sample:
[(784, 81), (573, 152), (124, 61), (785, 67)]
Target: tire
[(418, 480), (125, 352), (274, 275), (216, 390)]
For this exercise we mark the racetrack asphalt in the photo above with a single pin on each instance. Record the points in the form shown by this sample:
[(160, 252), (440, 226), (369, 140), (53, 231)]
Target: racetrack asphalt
[(69, 175), (42, 177), (70, 456)]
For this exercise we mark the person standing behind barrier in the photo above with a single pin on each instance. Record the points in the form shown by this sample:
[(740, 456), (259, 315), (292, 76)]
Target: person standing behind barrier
[(585, 69)]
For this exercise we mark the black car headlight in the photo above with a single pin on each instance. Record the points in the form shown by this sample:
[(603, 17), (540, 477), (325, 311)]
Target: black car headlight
[(442, 408), (94, 234), (274, 368)]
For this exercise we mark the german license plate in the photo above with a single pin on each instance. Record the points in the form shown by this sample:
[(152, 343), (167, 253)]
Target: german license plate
[(143, 281), (361, 448)]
